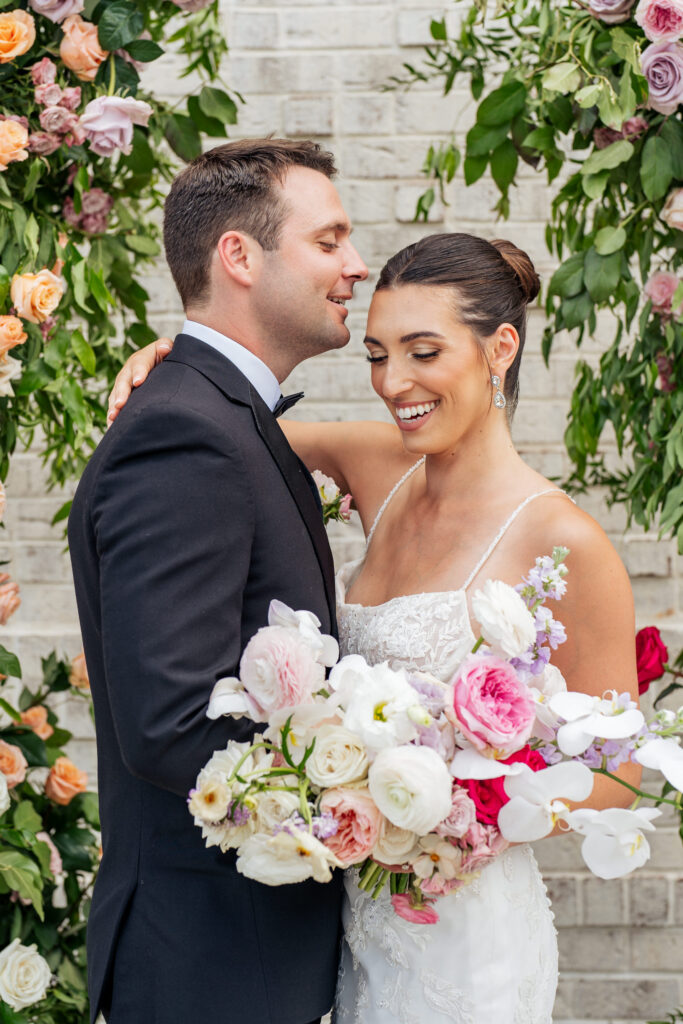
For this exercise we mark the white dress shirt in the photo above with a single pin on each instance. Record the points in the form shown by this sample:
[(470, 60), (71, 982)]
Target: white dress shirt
[(260, 376)]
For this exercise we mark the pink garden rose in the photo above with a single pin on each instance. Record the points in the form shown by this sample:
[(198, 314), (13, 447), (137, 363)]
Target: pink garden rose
[(58, 120), (278, 669), (660, 289), (358, 821), (43, 72), (48, 95), (660, 20), (71, 97), (492, 706), (662, 65), (463, 814), (108, 122), (56, 10), (44, 143), (611, 12), (421, 913)]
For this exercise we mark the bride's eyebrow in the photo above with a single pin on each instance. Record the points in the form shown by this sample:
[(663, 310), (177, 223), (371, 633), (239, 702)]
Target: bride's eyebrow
[(405, 338)]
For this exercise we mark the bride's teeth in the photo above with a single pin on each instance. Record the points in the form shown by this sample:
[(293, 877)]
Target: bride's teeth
[(410, 412)]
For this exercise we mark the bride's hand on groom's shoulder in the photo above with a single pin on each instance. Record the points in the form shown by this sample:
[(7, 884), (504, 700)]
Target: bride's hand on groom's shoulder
[(133, 372)]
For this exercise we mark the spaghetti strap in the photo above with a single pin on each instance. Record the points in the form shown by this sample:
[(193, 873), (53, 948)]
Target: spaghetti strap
[(501, 533), (389, 496)]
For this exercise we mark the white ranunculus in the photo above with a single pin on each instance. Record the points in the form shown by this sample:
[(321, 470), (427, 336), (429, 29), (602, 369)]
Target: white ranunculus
[(542, 688), (535, 805), (665, 756), (307, 625), (412, 787), (4, 794), (614, 843), (506, 623), (588, 718), (211, 798), (380, 704), (24, 975), (224, 762), (292, 855), (338, 757), (273, 806), (395, 845)]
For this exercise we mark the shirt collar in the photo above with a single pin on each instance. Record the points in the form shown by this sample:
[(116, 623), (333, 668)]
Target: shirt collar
[(254, 369)]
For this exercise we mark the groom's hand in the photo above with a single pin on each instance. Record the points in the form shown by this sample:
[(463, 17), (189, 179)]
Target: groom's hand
[(134, 372)]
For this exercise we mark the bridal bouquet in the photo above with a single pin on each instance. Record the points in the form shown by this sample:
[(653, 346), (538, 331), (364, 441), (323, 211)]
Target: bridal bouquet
[(417, 781)]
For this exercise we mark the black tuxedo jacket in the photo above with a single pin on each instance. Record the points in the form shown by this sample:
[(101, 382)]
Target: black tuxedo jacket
[(191, 516)]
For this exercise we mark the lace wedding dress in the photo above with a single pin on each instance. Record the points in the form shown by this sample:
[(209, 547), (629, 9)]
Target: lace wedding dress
[(492, 957)]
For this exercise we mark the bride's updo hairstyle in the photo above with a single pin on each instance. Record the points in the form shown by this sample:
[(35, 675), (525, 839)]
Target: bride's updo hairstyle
[(492, 283)]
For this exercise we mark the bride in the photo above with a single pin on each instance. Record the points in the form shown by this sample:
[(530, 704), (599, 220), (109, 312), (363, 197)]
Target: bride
[(446, 502)]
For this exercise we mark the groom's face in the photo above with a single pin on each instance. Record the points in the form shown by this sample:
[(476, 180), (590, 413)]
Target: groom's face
[(306, 282)]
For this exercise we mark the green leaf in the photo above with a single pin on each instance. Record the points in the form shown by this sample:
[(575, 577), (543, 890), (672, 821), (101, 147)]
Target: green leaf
[(609, 240), (217, 104), (78, 284), (208, 125), (83, 352), (121, 22), (502, 104), (481, 140), (89, 807), (63, 512), (609, 108), (564, 77), (576, 310), (567, 280), (142, 244), (504, 162), (5, 284), (76, 848), (182, 136), (141, 334), (144, 50), (542, 138), (594, 184), (21, 873), (627, 47), (473, 168), (10, 710), (32, 747), (656, 170), (588, 96), (9, 663), (608, 158), (26, 817), (672, 133), (32, 179), (438, 30), (601, 274)]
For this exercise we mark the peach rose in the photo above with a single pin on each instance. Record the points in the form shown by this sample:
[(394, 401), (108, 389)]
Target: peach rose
[(9, 600), (80, 49), (36, 296), (13, 764), (36, 718), (13, 139), (78, 676), (65, 781), (358, 821), (17, 34), (11, 333)]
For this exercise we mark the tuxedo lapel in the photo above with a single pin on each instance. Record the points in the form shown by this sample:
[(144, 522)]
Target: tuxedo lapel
[(301, 486)]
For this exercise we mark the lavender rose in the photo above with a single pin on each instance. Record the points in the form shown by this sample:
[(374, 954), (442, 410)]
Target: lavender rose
[(663, 68), (661, 20), (611, 12), (56, 10), (108, 123)]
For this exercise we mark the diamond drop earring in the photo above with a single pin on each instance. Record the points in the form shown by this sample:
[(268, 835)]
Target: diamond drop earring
[(499, 399)]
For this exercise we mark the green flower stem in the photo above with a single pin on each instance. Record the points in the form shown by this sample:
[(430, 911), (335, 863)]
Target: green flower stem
[(303, 803), (380, 883), (112, 75), (477, 645), (369, 874), (639, 792)]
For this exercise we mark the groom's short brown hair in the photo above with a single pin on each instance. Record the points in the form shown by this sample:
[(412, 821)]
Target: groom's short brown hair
[(230, 188)]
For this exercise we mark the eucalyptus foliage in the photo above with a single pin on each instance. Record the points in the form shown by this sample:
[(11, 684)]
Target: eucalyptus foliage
[(562, 91)]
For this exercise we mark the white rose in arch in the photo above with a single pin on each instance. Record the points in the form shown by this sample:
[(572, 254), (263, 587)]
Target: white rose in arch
[(4, 794), (506, 623), (24, 975)]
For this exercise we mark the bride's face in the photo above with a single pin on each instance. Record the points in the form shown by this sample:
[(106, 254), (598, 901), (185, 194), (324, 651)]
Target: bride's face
[(428, 368)]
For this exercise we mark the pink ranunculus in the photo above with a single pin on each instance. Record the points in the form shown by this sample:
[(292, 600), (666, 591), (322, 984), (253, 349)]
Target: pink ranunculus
[(13, 764), (660, 289), (660, 20), (463, 814), (358, 821), (43, 72), (611, 12), (71, 97), (44, 143), (58, 120), (108, 122), (56, 10), (493, 708), (419, 913), (48, 95), (345, 507), (437, 885), (662, 66), (56, 866), (486, 843), (278, 669)]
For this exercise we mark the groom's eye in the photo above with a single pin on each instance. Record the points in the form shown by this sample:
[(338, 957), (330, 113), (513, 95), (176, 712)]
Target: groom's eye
[(329, 246)]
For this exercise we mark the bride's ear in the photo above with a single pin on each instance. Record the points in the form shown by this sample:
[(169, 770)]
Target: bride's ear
[(502, 349), (239, 256)]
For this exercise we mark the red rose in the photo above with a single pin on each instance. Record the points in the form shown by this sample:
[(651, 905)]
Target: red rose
[(489, 794), (651, 656)]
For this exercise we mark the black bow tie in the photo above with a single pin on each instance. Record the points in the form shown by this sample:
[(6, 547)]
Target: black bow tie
[(286, 402)]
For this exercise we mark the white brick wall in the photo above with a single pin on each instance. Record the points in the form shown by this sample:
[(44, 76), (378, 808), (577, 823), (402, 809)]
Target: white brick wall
[(315, 69)]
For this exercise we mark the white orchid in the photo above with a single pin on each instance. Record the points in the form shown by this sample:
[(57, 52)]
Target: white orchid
[(588, 718), (380, 705), (307, 625), (535, 806), (470, 763), (542, 688), (614, 843), (665, 756)]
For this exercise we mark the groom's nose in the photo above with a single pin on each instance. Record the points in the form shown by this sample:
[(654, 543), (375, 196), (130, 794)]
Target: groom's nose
[(354, 268)]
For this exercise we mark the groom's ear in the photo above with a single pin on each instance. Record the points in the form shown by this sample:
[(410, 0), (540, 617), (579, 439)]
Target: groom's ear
[(239, 256)]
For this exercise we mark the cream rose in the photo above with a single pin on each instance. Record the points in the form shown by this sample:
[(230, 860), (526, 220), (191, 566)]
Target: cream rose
[(13, 764), (11, 333), (36, 296), (13, 140), (338, 757), (395, 845), (505, 621), (80, 49), (17, 34), (412, 787), (24, 975), (672, 211), (65, 781)]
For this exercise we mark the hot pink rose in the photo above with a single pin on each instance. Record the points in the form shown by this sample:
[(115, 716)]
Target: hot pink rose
[(44, 143), (13, 764), (56, 866), (660, 289), (58, 119), (108, 122), (660, 20), (463, 814), (489, 795), (358, 821), (486, 844), (56, 10), (492, 706), (48, 95), (409, 910), (43, 72), (278, 669)]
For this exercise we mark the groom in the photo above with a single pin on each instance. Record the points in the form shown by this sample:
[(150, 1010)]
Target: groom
[(192, 515)]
